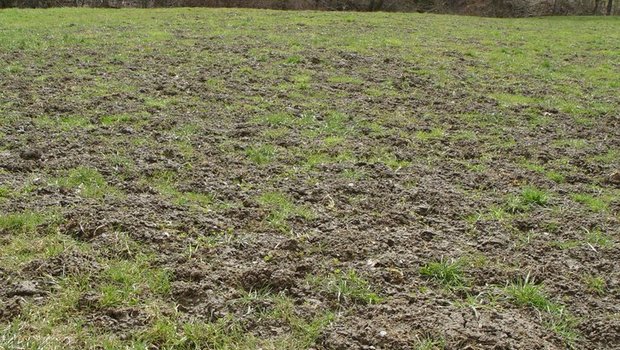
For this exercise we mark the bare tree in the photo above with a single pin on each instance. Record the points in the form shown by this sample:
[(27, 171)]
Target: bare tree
[(610, 6)]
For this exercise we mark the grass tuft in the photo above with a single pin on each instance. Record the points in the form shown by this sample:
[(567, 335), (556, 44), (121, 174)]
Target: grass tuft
[(448, 273)]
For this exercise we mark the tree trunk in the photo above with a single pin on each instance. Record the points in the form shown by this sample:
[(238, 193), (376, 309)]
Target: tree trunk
[(610, 6), (596, 4)]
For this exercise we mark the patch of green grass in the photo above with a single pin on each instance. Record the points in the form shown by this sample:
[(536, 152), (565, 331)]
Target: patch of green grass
[(294, 59), (165, 183), (609, 157), (276, 119), (534, 196), (555, 176), (448, 273), (126, 281), (596, 237), (430, 343), (529, 165), (277, 133), (314, 159), (347, 286), (116, 119), (87, 182), (566, 245), (595, 204), (305, 331), (157, 103), (169, 333), (193, 198), (530, 196), (595, 284), (565, 325), (24, 248), (281, 208), (390, 160), (353, 174), (70, 122), (433, 134), (262, 154), (5, 193), (332, 141), (525, 293), (21, 222), (64, 123), (336, 124), (510, 100)]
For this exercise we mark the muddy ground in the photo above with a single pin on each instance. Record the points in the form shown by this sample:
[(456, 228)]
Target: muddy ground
[(290, 175)]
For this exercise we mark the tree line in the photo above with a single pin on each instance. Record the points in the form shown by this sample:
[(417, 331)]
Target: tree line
[(499, 8)]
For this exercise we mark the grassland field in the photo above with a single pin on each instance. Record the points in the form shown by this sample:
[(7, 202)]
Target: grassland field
[(242, 179)]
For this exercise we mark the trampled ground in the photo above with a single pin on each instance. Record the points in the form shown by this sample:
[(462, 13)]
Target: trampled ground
[(196, 179)]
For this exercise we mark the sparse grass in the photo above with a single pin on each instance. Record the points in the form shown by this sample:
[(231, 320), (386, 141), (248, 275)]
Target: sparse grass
[(525, 293), (5, 193), (347, 287), (116, 119), (556, 176), (126, 281), (595, 284), (433, 134), (25, 247), (21, 222), (87, 182), (231, 129), (595, 204), (598, 238), (263, 154), (447, 272), (304, 331), (166, 183), (281, 208), (430, 343), (276, 119), (390, 160)]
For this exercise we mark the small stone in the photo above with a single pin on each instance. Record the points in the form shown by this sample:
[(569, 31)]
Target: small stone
[(382, 334)]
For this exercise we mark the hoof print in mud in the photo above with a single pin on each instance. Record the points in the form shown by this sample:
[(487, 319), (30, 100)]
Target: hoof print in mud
[(262, 278), (615, 178), (31, 154)]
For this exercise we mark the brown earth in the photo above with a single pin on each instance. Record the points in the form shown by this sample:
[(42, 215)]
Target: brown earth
[(385, 224)]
